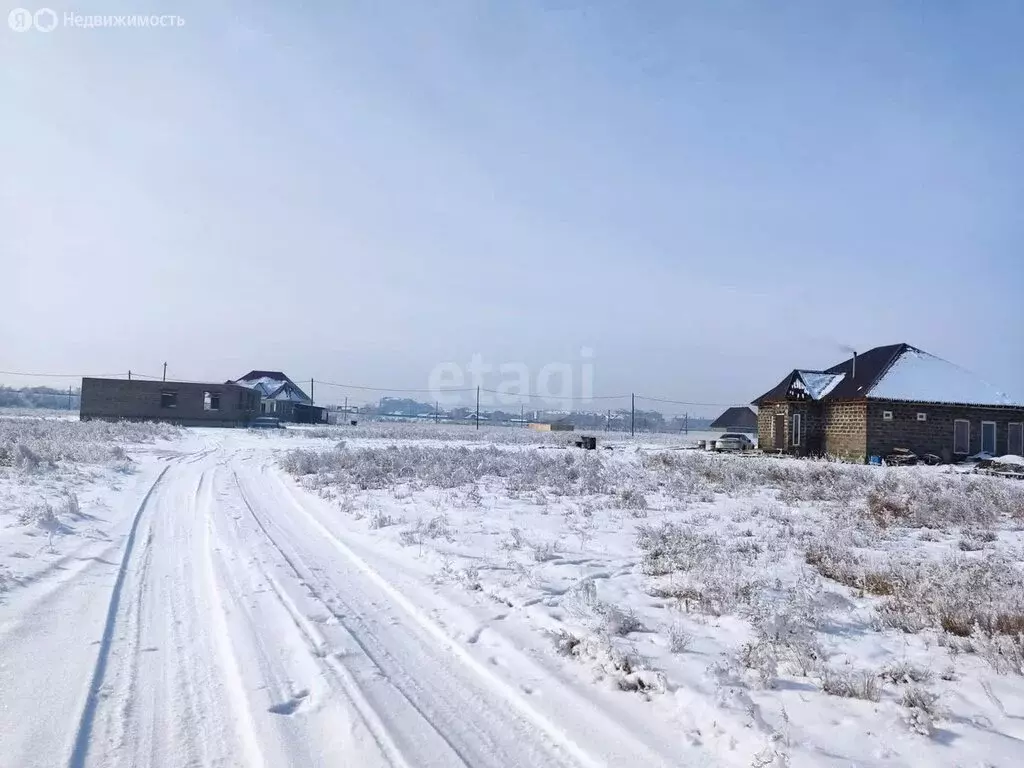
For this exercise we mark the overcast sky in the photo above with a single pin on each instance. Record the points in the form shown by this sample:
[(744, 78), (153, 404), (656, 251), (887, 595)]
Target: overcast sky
[(704, 194)]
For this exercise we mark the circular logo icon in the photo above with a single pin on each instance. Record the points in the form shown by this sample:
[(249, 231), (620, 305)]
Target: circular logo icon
[(20, 20), (45, 20)]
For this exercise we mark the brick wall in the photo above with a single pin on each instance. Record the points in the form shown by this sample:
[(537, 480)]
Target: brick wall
[(141, 401), (935, 434), (764, 426), (765, 419), (846, 429), (811, 426)]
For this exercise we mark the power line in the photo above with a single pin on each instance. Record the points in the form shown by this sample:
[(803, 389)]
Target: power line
[(62, 375), (550, 397), (685, 402), (386, 389)]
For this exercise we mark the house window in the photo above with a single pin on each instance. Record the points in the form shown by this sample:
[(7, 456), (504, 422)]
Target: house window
[(922, 417), (988, 437), (211, 401), (169, 398), (1015, 438), (961, 436), (886, 415), (796, 429)]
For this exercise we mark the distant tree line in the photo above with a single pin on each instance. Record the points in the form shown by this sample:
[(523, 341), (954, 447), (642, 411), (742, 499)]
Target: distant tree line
[(616, 420), (38, 397)]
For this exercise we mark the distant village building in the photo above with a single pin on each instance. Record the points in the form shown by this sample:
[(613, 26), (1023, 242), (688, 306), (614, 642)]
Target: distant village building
[(739, 419), (890, 398), (188, 403), (562, 425)]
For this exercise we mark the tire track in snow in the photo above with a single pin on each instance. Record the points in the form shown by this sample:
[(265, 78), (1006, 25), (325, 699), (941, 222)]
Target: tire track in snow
[(478, 731), (235, 684), (80, 751), (319, 647), (443, 640)]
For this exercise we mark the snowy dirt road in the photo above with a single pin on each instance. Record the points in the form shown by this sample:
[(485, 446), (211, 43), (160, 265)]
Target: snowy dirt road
[(227, 625)]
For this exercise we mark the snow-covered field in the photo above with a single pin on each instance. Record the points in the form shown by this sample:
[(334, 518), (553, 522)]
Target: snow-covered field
[(415, 595)]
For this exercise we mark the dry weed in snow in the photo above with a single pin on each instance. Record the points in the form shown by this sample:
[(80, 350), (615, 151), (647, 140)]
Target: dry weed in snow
[(772, 593)]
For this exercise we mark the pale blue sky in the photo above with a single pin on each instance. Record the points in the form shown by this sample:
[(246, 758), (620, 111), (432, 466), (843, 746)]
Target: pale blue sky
[(706, 195)]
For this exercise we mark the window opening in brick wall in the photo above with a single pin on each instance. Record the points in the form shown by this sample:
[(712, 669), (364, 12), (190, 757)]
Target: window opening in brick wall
[(796, 429), (961, 436), (169, 398), (988, 437), (211, 401), (887, 415), (922, 417)]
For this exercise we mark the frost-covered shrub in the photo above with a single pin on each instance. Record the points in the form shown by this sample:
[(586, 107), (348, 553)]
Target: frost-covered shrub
[(850, 684), (904, 673), (625, 670), (380, 520), (70, 506), (679, 640), (25, 458), (543, 551), (450, 467), (634, 500), (922, 709), (583, 603), (888, 497), (670, 547), (33, 444)]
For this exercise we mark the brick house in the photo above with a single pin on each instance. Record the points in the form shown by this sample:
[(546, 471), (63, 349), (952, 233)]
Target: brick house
[(896, 396), (190, 404), (283, 398)]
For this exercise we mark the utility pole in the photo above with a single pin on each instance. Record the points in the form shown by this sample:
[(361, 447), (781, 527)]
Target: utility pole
[(69, 397), (436, 414), (608, 421), (346, 409), (165, 371), (478, 406), (632, 414), (686, 422), (522, 412), (311, 391)]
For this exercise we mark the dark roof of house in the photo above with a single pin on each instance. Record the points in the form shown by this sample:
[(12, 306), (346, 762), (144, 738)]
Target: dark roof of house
[(893, 372), (740, 417), (271, 384), (276, 375)]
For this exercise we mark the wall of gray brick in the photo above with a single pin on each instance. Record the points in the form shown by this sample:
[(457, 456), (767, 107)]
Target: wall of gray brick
[(811, 426), (935, 435), (846, 429), (141, 401)]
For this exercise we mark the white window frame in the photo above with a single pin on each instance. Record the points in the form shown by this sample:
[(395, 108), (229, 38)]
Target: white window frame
[(795, 431), (1010, 428), (886, 415), (922, 416), (995, 437), (967, 450)]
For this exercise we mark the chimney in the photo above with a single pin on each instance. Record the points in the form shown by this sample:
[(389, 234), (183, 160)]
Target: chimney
[(854, 374)]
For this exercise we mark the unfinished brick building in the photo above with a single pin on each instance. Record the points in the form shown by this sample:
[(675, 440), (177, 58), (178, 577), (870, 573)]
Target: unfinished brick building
[(190, 404), (889, 398)]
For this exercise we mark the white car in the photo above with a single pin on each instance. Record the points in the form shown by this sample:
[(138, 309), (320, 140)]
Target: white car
[(734, 441)]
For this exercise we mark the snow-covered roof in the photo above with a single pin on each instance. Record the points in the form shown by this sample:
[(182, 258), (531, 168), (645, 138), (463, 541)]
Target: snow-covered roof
[(819, 384), (919, 377), (273, 385)]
